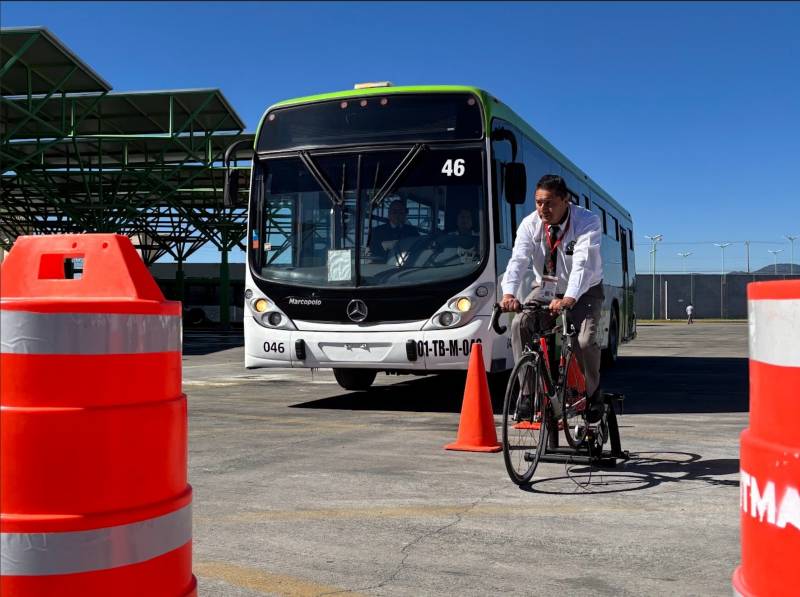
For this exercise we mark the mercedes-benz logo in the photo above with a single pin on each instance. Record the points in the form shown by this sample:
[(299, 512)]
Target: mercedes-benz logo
[(357, 310)]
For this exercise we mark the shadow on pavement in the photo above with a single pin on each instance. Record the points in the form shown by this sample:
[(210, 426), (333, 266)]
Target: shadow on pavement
[(199, 342), (654, 385), (643, 471), (440, 393), (651, 385)]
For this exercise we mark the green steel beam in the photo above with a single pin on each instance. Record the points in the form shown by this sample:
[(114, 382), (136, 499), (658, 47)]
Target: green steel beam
[(18, 55), (63, 134), (33, 112)]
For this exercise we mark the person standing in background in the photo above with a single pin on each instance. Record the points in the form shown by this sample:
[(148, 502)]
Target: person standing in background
[(689, 313)]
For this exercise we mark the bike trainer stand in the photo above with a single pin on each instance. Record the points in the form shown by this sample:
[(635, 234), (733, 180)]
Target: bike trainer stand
[(584, 455)]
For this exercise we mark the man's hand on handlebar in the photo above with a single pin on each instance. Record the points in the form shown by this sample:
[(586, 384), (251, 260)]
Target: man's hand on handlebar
[(565, 303), (509, 303)]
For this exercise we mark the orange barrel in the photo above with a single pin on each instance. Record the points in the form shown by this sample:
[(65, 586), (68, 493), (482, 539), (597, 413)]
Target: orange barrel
[(769, 497), (93, 425)]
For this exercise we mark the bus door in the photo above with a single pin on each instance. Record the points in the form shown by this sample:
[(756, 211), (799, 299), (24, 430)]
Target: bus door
[(627, 307)]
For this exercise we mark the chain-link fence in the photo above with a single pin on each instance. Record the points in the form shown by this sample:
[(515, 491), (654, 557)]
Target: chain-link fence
[(712, 295)]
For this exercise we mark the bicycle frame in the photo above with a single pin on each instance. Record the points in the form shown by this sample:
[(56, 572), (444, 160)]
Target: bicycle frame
[(552, 388)]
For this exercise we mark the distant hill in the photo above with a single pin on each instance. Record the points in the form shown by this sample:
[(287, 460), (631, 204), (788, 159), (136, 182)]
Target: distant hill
[(783, 268)]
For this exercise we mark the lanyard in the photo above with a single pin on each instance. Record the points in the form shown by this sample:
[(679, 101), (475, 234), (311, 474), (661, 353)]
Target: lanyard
[(550, 264), (550, 244)]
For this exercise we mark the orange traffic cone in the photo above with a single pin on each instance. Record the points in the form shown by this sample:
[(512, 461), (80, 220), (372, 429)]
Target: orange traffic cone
[(476, 429)]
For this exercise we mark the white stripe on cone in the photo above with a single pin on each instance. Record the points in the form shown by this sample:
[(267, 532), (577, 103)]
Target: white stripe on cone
[(26, 332), (775, 331), (71, 552)]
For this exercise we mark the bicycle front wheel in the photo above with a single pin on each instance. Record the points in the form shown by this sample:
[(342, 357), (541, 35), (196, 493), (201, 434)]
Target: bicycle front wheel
[(525, 419)]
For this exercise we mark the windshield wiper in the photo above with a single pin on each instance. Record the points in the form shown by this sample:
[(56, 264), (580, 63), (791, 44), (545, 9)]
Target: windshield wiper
[(404, 164), (337, 200), (387, 187)]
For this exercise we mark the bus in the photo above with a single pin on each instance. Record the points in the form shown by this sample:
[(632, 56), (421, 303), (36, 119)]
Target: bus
[(381, 221)]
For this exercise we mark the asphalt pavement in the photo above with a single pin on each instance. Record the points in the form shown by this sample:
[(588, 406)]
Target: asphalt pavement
[(302, 488)]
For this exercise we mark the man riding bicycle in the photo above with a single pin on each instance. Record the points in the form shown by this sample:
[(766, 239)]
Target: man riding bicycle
[(563, 241)]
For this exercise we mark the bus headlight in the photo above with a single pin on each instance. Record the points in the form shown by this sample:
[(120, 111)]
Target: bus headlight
[(261, 305), (463, 304), (448, 318), (274, 318)]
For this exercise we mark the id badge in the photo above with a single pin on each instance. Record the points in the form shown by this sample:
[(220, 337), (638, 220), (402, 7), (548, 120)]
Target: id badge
[(548, 288)]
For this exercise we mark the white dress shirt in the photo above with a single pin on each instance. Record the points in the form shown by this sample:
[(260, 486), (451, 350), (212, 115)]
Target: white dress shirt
[(576, 273)]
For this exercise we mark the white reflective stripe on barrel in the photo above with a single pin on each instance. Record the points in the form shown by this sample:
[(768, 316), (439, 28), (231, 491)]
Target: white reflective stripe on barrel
[(26, 332), (775, 331), (42, 554)]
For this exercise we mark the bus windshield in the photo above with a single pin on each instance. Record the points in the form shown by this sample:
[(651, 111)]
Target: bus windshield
[(379, 218)]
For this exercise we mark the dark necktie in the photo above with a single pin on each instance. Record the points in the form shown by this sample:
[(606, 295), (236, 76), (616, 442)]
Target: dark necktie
[(551, 260)]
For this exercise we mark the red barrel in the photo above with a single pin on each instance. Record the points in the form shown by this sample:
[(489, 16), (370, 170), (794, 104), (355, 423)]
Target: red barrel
[(93, 425), (769, 498)]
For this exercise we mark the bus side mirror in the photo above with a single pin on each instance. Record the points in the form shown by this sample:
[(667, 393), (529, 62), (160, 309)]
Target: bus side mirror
[(230, 195), (515, 183)]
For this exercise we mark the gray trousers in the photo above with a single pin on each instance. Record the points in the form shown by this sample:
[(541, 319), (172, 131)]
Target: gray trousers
[(586, 317)]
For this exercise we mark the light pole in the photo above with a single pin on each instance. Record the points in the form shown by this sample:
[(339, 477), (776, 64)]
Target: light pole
[(775, 255), (654, 239), (747, 254), (791, 239), (684, 255), (722, 246), (691, 279)]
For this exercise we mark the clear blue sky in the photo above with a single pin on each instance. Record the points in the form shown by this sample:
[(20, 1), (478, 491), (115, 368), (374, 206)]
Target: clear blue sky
[(689, 114)]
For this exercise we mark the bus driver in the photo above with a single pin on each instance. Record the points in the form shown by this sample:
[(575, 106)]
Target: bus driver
[(564, 241), (385, 236)]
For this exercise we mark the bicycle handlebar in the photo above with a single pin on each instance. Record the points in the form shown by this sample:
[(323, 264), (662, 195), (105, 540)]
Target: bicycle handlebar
[(494, 321)]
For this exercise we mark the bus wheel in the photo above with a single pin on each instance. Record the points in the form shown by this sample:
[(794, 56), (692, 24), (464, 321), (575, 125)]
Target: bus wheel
[(355, 379), (609, 354)]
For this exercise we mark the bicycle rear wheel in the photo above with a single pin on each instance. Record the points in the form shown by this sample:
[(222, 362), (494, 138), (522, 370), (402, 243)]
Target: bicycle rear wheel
[(574, 401), (525, 421)]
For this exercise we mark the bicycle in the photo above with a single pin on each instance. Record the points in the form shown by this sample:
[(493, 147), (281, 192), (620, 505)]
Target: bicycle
[(551, 403)]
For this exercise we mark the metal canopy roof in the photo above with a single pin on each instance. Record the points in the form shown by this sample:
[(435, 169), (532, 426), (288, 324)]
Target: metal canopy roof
[(75, 156), (36, 62), (125, 114), (128, 151)]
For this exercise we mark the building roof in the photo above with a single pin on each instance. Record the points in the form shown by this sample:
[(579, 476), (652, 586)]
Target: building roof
[(52, 66), (77, 156)]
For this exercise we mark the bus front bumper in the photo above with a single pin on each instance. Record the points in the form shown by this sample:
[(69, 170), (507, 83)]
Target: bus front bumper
[(428, 350)]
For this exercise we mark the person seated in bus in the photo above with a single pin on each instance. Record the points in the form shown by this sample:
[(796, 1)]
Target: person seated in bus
[(385, 236), (466, 235), (564, 241), (466, 239)]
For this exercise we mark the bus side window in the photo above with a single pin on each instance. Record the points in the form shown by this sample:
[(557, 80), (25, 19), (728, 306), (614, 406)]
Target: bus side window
[(624, 249), (573, 185), (573, 197), (537, 164), (615, 228), (502, 219), (602, 213), (506, 148)]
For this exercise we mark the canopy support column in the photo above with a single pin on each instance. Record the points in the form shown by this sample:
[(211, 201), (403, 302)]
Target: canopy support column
[(224, 290)]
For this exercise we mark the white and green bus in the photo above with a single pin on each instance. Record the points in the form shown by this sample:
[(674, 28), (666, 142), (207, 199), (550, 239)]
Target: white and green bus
[(381, 221)]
